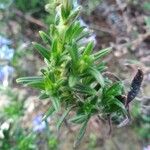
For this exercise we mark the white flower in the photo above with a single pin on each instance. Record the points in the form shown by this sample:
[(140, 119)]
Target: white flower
[(5, 126)]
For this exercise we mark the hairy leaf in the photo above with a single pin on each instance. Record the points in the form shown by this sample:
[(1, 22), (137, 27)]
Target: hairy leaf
[(56, 103), (84, 89), (89, 48), (79, 118), (63, 117), (81, 134), (42, 50), (45, 37), (48, 113), (115, 89), (97, 75), (101, 53)]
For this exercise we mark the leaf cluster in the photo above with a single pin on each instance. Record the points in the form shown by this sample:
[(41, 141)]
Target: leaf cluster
[(73, 77)]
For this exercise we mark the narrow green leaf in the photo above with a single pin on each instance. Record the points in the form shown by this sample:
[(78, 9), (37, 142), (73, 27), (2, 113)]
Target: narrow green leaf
[(53, 31), (48, 113), (67, 5), (37, 84), (77, 32), (64, 13), (56, 103), (79, 119), (54, 48), (74, 30), (25, 80), (119, 104), (115, 89), (81, 134), (69, 33), (74, 14), (97, 75), (43, 96), (89, 48), (102, 53), (101, 67), (83, 35), (73, 53), (75, 26), (45, 37), (84, 89), (42, 50), (63, 117)]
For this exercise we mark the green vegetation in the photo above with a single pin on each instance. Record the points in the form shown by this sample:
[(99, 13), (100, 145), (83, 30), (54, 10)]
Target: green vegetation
[(73, 76)]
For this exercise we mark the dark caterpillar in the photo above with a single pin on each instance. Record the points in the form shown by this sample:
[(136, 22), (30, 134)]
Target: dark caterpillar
[(135, 86)]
